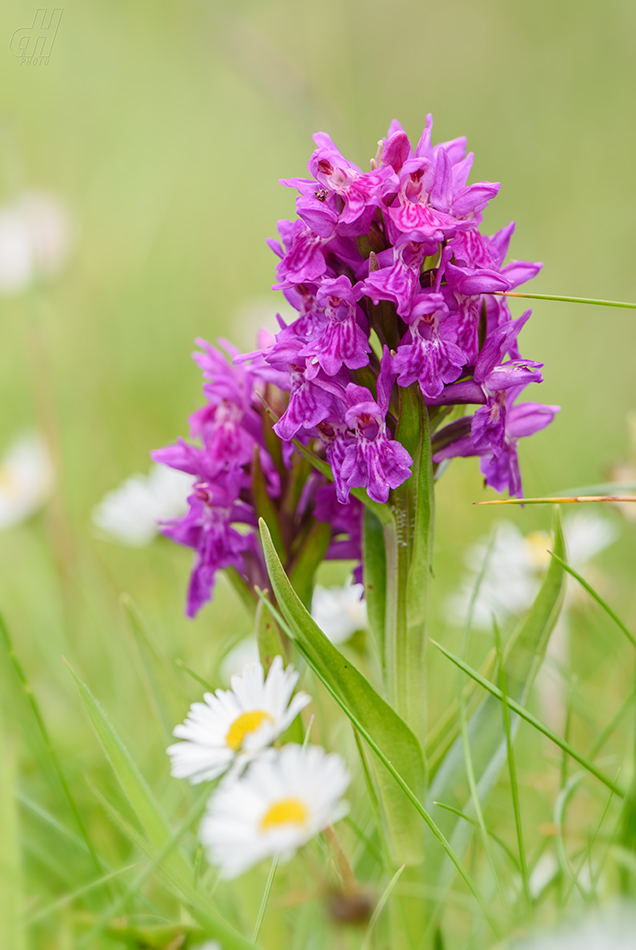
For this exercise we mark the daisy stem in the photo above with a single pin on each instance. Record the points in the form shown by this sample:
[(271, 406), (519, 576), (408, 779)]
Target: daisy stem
[(346, 871)]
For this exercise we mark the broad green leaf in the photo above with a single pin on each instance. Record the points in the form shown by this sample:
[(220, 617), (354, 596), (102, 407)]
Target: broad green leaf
[(382, 722), (486, 729)]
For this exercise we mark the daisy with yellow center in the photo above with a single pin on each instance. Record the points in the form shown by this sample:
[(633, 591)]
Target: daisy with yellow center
[(232, 726), (285, 798)]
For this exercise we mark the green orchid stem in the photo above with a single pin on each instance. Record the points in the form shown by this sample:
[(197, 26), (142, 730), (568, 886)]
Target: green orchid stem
[(587, 300), (408, 542)]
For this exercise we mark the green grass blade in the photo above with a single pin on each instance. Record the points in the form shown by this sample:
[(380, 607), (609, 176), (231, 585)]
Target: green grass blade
[(165, 693), (532, 720), (388, 764), (134, 786), (70, 898), (35, 708), (11, 932), (264, 902), (597, 597), (379, 907), (136, 885), (502, 844), (486, 731), (557, 500), (379, 719), (586, 300), (512, 772), (212, 923)]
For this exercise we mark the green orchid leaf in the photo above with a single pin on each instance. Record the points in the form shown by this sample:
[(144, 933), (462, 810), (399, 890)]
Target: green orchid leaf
[(388, 730)]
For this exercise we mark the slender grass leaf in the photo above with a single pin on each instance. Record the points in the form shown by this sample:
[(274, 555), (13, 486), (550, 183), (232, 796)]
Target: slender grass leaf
[(39, 719), (136, 885), (210, 921), (586, 300), (164, 690), (486, 732), (597, 597), (134, 786), (11, 932), (381, 721), (540, 726)]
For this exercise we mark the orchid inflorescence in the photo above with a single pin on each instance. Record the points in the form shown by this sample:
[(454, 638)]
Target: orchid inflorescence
[(395, 287)]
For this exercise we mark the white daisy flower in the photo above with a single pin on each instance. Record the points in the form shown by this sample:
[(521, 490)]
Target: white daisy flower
[(339, 611), (35, 239), (232, 726), (130, 514), (26, 478), (517, 563), (245, 651), (285, 798), (610, 928)]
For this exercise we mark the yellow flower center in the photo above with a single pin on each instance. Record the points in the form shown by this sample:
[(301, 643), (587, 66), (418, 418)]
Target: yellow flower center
[(247, 722), (537, 544), (8, 483), (287, 811)]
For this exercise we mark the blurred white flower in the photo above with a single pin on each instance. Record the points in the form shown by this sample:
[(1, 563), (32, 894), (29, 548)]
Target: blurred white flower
[(517, 563), (232, 726), (26, 478), (130, 513), (285, 798), (624, 472), (339, 611), (244, 653), (35, 240), (610, 928)]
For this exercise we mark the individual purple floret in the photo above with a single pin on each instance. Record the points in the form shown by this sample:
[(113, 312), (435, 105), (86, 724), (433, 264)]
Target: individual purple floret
[(429, 353), (501, 470)]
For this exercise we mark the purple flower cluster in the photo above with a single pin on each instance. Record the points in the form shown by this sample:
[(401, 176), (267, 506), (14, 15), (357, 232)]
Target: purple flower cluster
[(236, 458), (395, 286)]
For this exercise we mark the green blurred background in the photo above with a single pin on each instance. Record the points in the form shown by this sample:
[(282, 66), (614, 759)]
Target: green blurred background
[(166, 126)]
